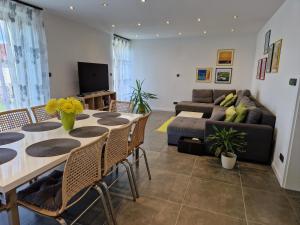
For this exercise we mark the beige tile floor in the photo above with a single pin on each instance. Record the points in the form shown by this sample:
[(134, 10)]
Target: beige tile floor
[(191, 190)]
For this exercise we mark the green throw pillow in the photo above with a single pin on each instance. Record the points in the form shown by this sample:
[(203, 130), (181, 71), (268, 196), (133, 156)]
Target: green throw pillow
[(230, 114), (231, 101), (227, 99), (242, 112)]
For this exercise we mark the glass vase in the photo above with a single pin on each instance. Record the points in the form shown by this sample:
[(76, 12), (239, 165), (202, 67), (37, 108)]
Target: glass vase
[(67, 120)]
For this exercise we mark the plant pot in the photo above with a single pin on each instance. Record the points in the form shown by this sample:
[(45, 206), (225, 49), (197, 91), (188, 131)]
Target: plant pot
[(67, 120), (228, 160)]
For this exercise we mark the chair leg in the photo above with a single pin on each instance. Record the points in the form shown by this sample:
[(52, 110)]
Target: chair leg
[(146, 162), (107, 214), (61, 221), (111, 209), (130, 180), (133, 178)]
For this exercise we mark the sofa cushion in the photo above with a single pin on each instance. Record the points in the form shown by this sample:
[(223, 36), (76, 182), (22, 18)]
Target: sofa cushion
[(241, 94), (231, 101), (217, 93), (219, 100), (202, 95), (227, 99), (254, 116), (247, 102), (218, 116), (230, 114)]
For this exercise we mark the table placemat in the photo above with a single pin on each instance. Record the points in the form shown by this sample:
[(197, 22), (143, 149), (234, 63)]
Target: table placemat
[(6, 155), (52, 147), (113, 121), (42, 126), (106, 114), (82, 116), (10, 137), (88, 132)]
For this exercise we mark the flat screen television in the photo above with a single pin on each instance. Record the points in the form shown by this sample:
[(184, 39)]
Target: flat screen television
[(92, 77)]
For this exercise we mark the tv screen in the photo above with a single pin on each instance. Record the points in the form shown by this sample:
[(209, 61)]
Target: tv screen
[(92, 77)]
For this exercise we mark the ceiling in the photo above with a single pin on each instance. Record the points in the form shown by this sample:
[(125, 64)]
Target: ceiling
[(217, 16)]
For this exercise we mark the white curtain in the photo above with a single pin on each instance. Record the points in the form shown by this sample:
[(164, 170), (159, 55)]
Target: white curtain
[(24, 79), (122, 77)]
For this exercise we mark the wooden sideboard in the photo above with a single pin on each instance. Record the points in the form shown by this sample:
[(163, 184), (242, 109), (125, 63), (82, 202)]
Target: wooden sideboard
[(98, 100)]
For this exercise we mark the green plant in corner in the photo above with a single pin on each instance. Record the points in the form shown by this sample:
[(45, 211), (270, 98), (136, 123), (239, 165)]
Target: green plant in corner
[(140, 98), (227, 141)]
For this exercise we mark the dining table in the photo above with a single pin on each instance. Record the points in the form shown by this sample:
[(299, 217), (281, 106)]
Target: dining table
[(26, 164)]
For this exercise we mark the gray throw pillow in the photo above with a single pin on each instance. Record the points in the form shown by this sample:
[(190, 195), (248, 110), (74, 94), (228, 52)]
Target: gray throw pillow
[(254, 116), (219, 100), (246, 101), (218, 116), (241, 94)]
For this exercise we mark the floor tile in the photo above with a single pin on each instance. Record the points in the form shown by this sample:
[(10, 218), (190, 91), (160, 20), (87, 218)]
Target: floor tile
[(211, 168), (295, 203), (192, 216), (165, 185), (268, 208), (216, 197), (148, 211)]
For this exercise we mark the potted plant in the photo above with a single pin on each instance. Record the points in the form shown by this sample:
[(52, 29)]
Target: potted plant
[(140, 98), (226, 142), (67, 109)]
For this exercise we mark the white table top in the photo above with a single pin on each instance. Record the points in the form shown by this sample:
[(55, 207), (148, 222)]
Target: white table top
[(23, 167), (190, 114)]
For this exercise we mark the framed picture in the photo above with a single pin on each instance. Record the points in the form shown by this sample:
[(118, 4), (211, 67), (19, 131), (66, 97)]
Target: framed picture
[(225, 57), (223, 75), (270, 58), (262, 75), (258, 69), (204, 75), (267, 42), (276, 56)]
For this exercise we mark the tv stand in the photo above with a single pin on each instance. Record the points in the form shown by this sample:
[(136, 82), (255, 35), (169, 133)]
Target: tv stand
[(98, 100)]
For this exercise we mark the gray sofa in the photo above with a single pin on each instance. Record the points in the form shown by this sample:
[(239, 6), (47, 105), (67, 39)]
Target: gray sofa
[(259, 135)]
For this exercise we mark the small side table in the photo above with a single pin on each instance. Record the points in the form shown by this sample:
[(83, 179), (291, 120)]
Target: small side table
[(194, 146)]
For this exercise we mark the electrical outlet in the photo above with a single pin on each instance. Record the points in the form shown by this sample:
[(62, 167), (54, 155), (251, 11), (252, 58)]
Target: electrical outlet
[(175, 103), (281, 157), (293, 82)]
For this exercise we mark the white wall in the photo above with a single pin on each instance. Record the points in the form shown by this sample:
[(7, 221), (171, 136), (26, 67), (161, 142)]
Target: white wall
[(275, 91), (158, 62), (68, 43)]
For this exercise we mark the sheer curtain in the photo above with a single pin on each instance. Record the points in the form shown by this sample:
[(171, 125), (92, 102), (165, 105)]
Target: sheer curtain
[(122, 77), (24, 79)]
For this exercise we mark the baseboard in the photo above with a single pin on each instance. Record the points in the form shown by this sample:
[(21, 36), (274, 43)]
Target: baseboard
[(163, 109), (278, 176)]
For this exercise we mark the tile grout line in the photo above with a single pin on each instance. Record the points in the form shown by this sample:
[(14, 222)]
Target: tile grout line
[(243, 196)]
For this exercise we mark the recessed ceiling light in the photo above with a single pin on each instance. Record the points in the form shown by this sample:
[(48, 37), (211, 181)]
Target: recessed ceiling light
[(113, 26), (235, 17), (167, 22), (179, 33), (232, 29), (157, 35), (104, 4), (143, 1), (139, 24), (204, 32), (72, 7), (136, 36), (199, 19)]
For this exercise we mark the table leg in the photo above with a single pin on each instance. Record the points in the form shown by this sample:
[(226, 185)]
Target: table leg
[(137, 156), (12, 212)]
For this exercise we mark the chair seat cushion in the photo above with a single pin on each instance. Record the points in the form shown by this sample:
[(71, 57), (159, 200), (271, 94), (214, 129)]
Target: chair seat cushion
[(46, 193)]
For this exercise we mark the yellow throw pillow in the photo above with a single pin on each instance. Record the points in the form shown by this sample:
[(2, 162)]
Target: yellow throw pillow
[(230, 114), (227, 99), (242, 112)]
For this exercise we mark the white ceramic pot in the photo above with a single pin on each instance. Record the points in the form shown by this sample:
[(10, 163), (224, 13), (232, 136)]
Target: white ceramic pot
[(229, 160)]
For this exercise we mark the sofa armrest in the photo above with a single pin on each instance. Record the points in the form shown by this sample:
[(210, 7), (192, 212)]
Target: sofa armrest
[(259, 139)]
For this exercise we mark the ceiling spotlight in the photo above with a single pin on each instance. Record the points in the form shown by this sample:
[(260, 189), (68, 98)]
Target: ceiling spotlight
[(139, 24), (72, 8), (179, 33), (204, 32), (235, 17), (232, 29), (157, 35), (167, 22), (113, 26), (143, 1), (199, 20), (104, 4)]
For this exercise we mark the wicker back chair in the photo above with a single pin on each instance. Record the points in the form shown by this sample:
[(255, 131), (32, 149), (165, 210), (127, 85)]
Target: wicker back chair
[(119, 106), (14, 119), (40, 114), (81, 173)]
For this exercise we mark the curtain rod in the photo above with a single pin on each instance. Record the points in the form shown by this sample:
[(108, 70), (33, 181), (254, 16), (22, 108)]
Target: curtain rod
[(28, 4), (121, 37)]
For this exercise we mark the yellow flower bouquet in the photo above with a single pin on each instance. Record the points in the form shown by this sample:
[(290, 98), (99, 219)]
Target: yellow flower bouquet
[(67, 108)]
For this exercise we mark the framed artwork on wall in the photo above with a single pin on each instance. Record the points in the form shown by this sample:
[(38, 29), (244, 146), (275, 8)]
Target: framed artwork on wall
[(223, 75), (258, 69), (262, 75), (267, 42), (203, 75), (276, 56), (225, 57), (270, 58)]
